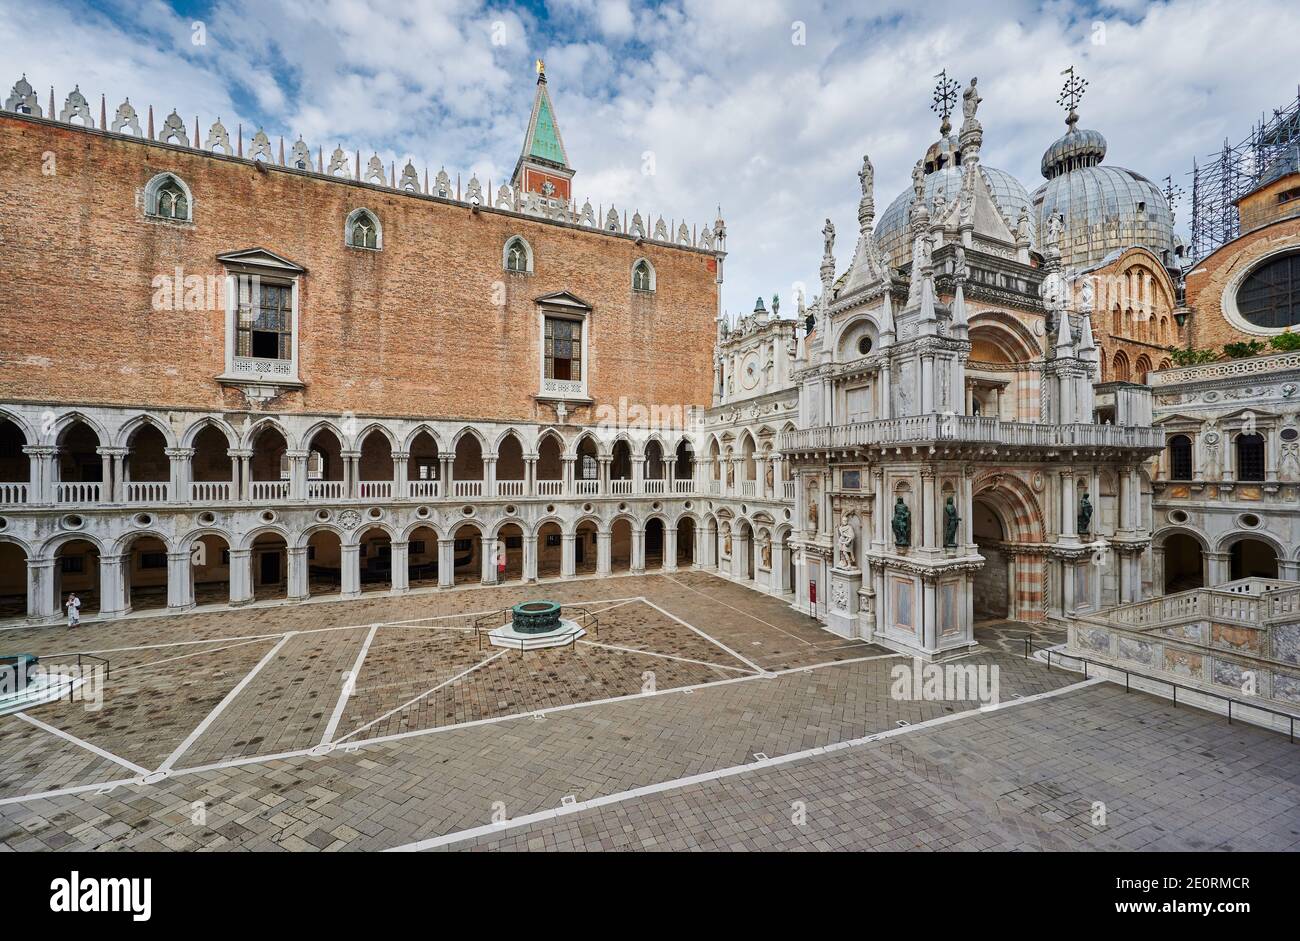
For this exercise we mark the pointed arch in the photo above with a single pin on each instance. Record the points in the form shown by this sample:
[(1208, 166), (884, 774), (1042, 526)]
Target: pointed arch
[(644, 278), (362, 229), (517, 255), (135, 423), (167, 196), (208, 421)]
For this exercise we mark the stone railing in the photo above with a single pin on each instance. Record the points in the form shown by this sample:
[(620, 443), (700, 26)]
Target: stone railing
[(968, 429), (1229, 369), (12, 494)]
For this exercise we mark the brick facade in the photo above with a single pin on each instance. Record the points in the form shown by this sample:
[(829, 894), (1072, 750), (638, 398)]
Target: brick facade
[(410, 330)]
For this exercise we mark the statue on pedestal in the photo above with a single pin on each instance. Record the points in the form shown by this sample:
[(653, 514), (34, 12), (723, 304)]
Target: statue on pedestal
[(950, 521), (845, 538), (1085, 514), (902, 524)]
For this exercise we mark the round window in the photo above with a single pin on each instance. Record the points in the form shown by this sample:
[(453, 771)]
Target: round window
[(864, 346), (1290, 434), (1177, 516), (1269, 296), (1249, 520)]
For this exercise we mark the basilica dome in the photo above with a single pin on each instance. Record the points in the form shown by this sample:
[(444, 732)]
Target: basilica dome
[(1104, 209), (943, 177)]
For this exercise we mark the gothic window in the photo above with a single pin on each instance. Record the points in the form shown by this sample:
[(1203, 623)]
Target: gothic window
[(589, 470), (1270, 295), (264, 329), (166, 197), (563, 351), (1250, 457), (518, 256), (1180, 458), (643, 276), (362, 230)]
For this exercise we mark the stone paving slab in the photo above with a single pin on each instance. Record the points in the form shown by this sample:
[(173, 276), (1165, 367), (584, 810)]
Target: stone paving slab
[(36, 760)]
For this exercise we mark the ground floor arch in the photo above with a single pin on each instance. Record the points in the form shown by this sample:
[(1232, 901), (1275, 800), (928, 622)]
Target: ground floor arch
[(550, 549), (509, 553), (992, 583), (375, 560), (686, 530), (586, 547), (654, 543), (77, 569), (620, 548), (269, 561), (209, 569), (422, 557), (145, 569), (743, 550), (13, 580), (1252, 558), (1184, 562), (467, 554), (324, 563)]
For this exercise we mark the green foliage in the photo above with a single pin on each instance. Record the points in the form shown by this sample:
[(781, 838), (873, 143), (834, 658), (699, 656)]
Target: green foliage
[(1285, 342), (1181, 357), (1243, 350)]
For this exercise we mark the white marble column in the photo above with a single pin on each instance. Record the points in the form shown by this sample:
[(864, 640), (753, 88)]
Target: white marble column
[(670, 549), (638, 551), (113, 599), (400, 562), (350, 570), (567, 563), (40, 588), (297, 584), (446, 562), (604, 553), (180, 582), (241, 576), (487, 560)]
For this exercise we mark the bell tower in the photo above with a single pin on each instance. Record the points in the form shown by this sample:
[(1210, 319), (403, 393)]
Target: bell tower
[(543, 166)]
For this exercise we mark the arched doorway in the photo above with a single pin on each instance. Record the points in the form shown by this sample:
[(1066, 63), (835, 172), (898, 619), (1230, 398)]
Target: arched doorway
[(586, 547), (550, 548), (654, 543), (685, 542), (13, 580), (1184, 563), (270, 573), (324, 563), (144, 573), (422, 557), (510, 551), (1252, 558), (744, 544), (76, 569), (210, 569), (620, 547), (375, 558), (992, 583), (466, 554)]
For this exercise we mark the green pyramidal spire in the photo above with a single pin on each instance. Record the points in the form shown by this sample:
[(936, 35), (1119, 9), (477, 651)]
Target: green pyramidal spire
[(543, 147)]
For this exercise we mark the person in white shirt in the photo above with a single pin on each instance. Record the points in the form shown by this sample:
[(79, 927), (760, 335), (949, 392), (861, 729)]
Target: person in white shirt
[(74, 610)]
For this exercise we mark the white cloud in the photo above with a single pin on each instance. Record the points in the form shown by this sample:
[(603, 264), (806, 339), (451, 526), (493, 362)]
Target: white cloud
[(735, 112)]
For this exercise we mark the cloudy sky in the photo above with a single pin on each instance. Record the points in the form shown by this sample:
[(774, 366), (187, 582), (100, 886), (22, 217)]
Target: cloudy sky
[(762, 106)]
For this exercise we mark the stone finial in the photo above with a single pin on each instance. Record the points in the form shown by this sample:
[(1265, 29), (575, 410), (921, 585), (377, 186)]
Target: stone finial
[(638, 227), (300, 155), (588, 215), (661, 230), (23, 100), (375, 171), (611, 220), (338, 163), (173, 130), (218, 137), (410, 181), (474, 191), (76, 106), (442, 184), (504, 198), (706, 237), (683, 235), (261, 147), (125, 117)]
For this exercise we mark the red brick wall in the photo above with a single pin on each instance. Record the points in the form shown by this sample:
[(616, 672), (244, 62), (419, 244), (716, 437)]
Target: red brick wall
[(410, 330), (1207, 282)]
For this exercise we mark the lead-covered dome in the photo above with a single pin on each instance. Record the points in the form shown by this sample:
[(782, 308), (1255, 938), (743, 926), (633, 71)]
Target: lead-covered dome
[(1104, 209), (892, 229)]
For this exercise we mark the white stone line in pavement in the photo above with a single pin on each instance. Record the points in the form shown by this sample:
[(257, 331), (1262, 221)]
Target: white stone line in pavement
[(349, 684), (619, 604), (80, 743), (743, 659), (221, 706), (563, 810), (836, 663), (185, 656), (416, 699), (65, 791), (665, 656), (755, 617)]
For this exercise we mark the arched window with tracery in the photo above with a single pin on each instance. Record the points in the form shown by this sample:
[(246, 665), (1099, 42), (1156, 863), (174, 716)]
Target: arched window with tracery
[(362, 230), (167, 197)]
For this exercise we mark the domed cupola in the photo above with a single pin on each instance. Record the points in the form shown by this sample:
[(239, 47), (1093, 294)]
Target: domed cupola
[(1104, 209), (943, 179)]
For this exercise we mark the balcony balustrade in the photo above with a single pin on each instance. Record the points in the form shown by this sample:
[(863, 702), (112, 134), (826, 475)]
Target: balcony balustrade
[(620, 488), (510, 488), (550, 488), (266, 491), (145, 492), (656, 486), (325, 490), (467, 488), (211, 491), (968, 429), (77, 493), (423, 489), (13, 494), (586, 488), (375, 489)]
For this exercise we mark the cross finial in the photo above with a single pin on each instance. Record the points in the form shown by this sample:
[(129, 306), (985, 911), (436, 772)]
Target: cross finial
[(1071, 94), (1173, 194), (944, 99)]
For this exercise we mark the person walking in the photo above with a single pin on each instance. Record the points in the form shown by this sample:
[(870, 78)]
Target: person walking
[(74, 610)]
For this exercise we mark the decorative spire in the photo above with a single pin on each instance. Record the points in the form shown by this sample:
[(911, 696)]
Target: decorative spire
[(944, 100), (1071, 94), (543, 166)]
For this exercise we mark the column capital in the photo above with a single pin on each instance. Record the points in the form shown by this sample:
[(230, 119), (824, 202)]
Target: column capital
[(179, 452), (112, 452), (401, 455), (297, 454), (239, 452), (40, 450)]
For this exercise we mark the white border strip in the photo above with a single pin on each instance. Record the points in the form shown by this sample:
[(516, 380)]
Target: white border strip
[(349, 684), (566, 810), (211, 717), (93, 749), (745, 660)]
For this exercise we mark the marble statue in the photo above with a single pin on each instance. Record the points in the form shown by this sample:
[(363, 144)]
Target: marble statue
[(918, 180), (812, 510), (970, 101), (828, 238), (767, 476), (867, 175), (767, 552), (902, 524), (1085, 514), (845, 537), (950, 521)]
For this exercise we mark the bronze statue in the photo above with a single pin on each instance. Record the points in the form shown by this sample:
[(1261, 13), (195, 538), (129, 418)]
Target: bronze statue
[(950, 521), (1085, 514), (902, 524)]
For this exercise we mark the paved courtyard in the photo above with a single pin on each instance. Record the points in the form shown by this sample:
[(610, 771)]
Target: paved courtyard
[(698, 714)]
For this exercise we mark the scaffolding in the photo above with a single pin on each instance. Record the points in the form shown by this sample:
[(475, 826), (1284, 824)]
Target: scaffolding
[(1234, 171)]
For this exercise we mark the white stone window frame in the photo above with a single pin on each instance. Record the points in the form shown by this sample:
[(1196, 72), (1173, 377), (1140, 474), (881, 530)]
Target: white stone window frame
[(654, 283), (563, 389), (150, 199), (258, 370), (351, 221), (1228, 303), (528, 255)]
